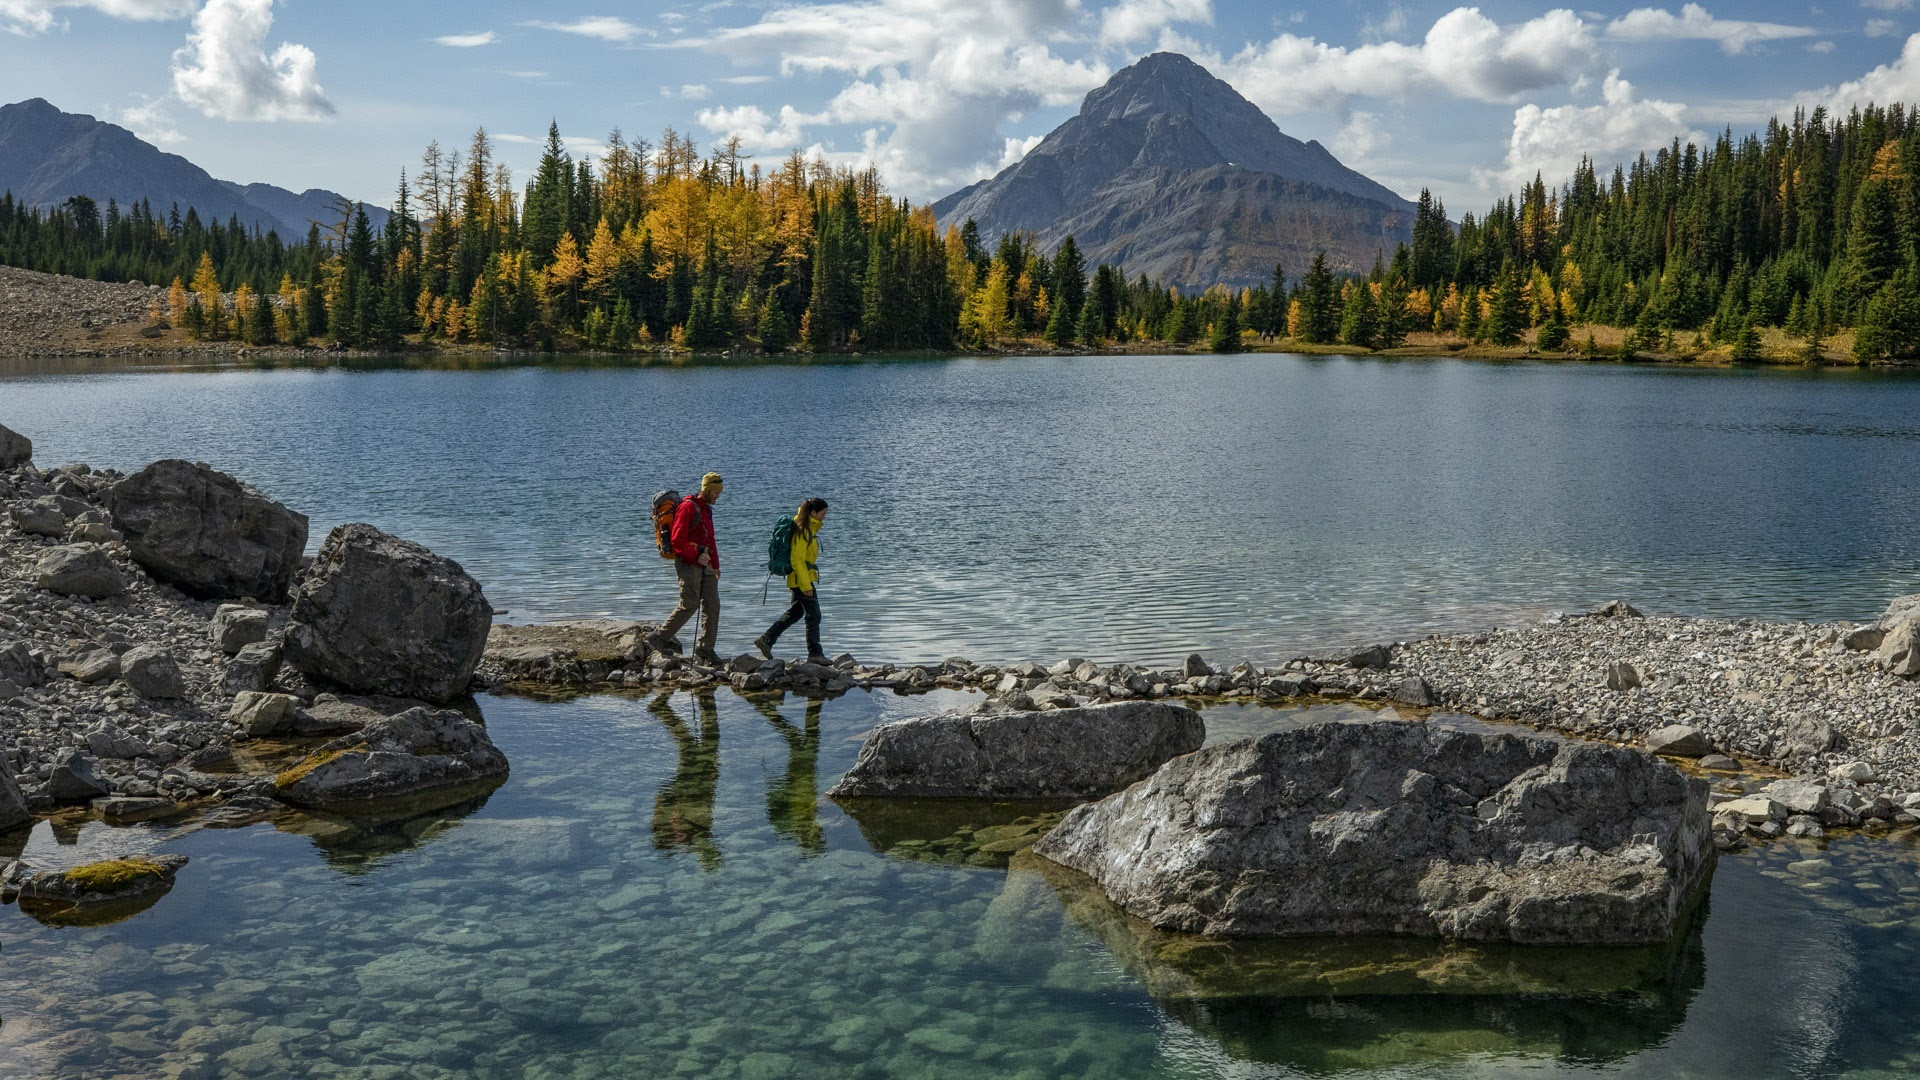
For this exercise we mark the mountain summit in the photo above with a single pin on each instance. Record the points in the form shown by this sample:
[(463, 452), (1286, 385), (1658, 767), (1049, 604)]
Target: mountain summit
[(48, 156), (1168, 171)]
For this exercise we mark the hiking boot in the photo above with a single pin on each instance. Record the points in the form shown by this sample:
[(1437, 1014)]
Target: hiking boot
[(662, 644), (707, 656), (765, 646), (816, 658)]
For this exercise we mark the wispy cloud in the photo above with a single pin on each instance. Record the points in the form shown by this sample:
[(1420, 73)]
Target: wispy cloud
[(26, 17), (605, 27), (1735, 36), (468, 41), (151, 121)]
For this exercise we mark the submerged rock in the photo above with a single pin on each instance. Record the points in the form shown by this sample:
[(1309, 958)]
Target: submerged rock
[(1059, 754), (417, 752), (208, 533), (381, 615), (1394, 828)]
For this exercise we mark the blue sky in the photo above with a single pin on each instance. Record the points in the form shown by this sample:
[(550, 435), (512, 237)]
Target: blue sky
[(1466, 100)]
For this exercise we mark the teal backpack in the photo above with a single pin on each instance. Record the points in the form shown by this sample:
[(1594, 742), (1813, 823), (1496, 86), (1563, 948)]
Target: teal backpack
[(780, 548)]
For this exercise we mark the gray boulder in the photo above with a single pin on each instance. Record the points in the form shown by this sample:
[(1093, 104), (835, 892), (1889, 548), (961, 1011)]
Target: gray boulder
[(410, 755), (92, 666), (1059, 754), (39, 517), (1678, 740), (208, 533), (236, 626), (99, 892), (107, 740), (152, 672), (1622, 676), (1615, 609), (79, 570), (13, 805), (1899, 610), (260, 714), (1394, 828), (1899, 650), (73, 778), (382, 615), (15, 449), (254, 668), (20, 667)]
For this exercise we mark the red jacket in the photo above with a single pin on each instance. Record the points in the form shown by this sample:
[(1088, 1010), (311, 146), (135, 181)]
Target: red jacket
[(693, 531)]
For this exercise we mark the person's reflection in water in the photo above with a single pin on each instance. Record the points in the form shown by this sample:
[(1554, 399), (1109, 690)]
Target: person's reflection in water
[(683, 811), (793, 799)]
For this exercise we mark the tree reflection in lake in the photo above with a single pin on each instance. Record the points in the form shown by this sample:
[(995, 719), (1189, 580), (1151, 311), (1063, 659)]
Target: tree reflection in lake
[(793, 799), (683, 810)]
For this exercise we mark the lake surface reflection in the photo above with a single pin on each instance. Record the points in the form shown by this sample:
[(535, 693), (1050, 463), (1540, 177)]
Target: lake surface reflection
[(1119, 508)]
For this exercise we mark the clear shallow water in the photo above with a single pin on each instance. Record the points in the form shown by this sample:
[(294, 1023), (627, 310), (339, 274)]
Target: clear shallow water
[(658, 891), (1121, 508)]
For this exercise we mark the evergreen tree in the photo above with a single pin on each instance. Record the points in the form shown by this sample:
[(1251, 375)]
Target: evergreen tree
[(1226, 328), (1359, 321), (1088, 330), (1319, 303), (1506, 311), (1746, 344), (1069, 282)]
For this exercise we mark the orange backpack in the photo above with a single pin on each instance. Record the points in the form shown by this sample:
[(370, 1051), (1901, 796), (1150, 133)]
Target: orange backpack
[(664, 505)]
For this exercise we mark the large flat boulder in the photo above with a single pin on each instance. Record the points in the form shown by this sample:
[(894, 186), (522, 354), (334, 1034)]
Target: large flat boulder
[(1394, 828), (207, 533), (1060, 754), (380, 615), (418, 752)]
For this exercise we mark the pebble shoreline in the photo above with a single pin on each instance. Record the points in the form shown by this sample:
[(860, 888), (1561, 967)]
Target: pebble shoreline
[(1792, 697)]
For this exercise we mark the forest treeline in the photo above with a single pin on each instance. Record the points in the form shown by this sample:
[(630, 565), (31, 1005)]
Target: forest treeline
[(1812, 227)]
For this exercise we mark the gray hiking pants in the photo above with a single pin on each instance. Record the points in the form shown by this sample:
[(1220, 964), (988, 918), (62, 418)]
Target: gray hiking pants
[(699, 589)]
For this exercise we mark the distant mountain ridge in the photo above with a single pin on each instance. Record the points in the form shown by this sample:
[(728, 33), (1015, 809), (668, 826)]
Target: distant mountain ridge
[(1169, 171), (48, 156)]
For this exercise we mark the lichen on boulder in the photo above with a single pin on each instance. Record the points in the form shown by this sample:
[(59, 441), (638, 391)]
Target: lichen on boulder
[(418, 752), (101, 892)]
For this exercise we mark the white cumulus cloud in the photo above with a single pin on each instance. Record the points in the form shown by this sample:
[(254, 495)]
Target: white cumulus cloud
[(467, 41), (1898, 81), (758, 132), (37, 16), (604, 27), (930, 82), (1138, 20), (1552, 141), (1695, 23), (224, 70), (1464, 55)]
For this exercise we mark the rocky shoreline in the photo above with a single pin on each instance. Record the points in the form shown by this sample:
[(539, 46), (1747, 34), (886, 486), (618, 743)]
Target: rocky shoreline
[(131, 700)]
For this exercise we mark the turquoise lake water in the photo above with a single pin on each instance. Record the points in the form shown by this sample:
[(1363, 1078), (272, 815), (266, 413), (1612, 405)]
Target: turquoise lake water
[(659, 889)]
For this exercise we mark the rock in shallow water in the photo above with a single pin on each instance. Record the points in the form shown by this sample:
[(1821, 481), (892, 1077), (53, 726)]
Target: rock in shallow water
[(411, 754), (1061, 754), (381, 615), (208, 533), (1401, 829)]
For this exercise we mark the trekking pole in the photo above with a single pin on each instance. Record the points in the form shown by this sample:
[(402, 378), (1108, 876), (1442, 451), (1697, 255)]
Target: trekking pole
[(764, 586)]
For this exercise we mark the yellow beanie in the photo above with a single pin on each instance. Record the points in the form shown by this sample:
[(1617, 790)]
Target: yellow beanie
[(712, 479)]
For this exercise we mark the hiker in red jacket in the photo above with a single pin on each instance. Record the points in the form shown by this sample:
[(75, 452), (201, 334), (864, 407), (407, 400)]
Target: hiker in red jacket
[(697, 563)]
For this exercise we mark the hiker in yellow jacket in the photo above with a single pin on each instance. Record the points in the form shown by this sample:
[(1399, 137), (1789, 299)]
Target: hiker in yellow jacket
[(801, 582)]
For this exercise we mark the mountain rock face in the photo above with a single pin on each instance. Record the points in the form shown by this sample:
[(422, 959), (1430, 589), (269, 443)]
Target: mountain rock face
[(48, 156), (1168, 171)]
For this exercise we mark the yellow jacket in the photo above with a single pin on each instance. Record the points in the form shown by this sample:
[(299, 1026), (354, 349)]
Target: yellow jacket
[(805, 553)]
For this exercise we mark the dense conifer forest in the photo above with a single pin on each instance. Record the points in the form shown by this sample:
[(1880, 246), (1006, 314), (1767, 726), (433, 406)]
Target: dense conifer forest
[(1810, 228)]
